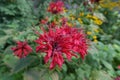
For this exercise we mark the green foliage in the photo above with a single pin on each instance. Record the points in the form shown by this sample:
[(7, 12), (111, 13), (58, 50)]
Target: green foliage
[(23, 63), (19, 17), (100, 75)]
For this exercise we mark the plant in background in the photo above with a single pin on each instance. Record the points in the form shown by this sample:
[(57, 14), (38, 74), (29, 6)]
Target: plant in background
[(56, 47), (22, 49), (56, 7), (118, 78), (111, 4), (62, 41), (57, 41)]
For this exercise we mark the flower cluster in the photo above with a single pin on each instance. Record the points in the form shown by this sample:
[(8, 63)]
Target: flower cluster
[(95, 1), (118, 67), (22, 49), (59, 41), (56, 7), (95, 19), (93, 35), (62, 41), (117, 78), (110, 4)]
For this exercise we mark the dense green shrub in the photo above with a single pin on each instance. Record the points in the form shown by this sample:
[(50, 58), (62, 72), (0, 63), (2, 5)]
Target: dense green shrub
[(20, 18)]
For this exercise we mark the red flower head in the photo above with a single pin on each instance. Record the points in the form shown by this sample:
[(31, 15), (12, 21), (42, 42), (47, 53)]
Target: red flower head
[(85, 3), (22, 49), (44, 21), (117, 78), (52, 25), (94, 1), (59, 42), (63, 20), (118, 67), (56, 7)]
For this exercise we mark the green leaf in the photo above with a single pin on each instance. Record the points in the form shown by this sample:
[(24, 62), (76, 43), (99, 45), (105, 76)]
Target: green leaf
[(64, 67), (2, 33), (36, 75), (118, 72), (23, 63), (92, 49), (70, 77), (10, 60), (8, 50), (117, 47), (80, 74), (55, 76), (3, 40), (100, 75), (107, 65), (100, 16), (8, 76)]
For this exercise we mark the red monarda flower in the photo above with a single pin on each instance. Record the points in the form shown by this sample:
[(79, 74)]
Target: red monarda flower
[(117, 78), (44, 21), (52, 25), (118, 66), (56, 7), (94, 1), (63, 20), (78, 40), (59, 42), (22, 49)]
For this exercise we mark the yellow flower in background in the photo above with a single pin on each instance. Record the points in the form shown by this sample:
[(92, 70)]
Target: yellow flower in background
[(105, 13), (69, 24), (109, 4), (71, 15), (96, 30), (81, 14), (55, 21), (72, 18), (94, 37), (65, 10), (95, 40), (80, 21), (94, 17), (98, 22), (101, 1), (89, 33), (89, 16), (118, 4)]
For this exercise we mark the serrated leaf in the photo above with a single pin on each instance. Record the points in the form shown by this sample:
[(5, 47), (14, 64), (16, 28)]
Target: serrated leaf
[(70, 77), (23, 63), (55, 76), (118, 72), (36, 75), (2, 33), (100, 75), (100, 16), (8, 50), (10, 60), (117, 47), (3, 40), (80, 73), (64, 67), (92, 49), (107, 65)]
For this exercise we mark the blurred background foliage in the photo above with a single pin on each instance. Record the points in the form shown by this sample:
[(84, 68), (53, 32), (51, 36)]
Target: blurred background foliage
[(101, 22)]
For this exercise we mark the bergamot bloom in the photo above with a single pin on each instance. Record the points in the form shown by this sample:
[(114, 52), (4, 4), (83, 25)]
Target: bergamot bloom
[(60, 44)]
